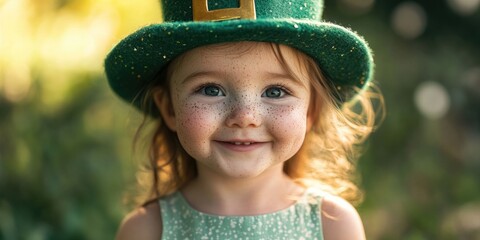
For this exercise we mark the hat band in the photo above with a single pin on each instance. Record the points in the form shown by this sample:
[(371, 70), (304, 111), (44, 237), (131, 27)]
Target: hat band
[(202, 13)]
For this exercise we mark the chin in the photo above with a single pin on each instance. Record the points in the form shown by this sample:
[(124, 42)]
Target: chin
[(248, 172), (243, 174)]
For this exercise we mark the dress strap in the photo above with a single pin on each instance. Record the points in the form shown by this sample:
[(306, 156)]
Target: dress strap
[(315, 198)]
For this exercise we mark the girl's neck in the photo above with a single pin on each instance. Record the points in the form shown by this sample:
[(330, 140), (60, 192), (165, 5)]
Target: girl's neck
[(266, 193)]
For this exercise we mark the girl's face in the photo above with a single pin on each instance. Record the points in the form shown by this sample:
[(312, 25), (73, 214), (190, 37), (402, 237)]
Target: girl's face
[(235, 108)]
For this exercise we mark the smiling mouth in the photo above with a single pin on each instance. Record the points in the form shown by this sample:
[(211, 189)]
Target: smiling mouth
[(246, 142), (241, 143)]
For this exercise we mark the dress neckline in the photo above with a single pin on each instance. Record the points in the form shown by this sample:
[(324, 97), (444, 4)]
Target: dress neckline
[(183, 201)]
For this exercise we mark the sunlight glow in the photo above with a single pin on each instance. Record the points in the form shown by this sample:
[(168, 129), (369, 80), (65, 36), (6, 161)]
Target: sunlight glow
[(52, 42)]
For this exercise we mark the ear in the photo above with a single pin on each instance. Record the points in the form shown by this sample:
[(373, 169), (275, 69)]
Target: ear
[(164, 104)]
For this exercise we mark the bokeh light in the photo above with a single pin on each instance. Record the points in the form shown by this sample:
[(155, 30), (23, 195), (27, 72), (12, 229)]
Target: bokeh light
[(464, 7), (465, 219), (358, 6), (432, 100), (470, 150), (409, 20), (471, 80)]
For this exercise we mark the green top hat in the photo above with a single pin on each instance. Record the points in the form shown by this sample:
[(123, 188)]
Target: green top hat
[(344, 57)]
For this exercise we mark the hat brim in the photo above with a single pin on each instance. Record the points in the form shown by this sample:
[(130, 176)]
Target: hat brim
[(343, 56)]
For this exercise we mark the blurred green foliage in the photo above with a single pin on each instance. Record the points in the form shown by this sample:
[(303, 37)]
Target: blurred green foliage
[(62, 174), (421, 175), (66, 162)]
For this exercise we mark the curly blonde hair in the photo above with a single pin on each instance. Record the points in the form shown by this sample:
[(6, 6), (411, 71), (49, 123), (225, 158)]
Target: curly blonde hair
[(326, 160)]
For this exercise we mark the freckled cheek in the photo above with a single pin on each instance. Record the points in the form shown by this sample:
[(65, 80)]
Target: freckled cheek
[(195, 124), (289, 123)]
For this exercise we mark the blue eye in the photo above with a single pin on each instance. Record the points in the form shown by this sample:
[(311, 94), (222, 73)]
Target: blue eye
[(274, 92), (211, 90)]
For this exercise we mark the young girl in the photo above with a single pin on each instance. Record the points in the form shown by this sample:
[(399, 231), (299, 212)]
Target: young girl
[(255, 128)]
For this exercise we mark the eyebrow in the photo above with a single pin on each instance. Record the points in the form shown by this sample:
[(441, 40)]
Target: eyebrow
[(201, 74), (278, 75), (218, 74), (273, 75)]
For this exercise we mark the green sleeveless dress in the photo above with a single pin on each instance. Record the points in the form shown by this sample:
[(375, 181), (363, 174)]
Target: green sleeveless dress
[(302, 220)]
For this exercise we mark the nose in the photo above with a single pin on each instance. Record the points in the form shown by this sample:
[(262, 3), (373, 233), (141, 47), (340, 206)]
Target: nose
[(243, 114)]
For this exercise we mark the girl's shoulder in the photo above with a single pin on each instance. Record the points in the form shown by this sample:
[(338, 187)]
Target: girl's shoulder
[(340, 219), (142, 223)]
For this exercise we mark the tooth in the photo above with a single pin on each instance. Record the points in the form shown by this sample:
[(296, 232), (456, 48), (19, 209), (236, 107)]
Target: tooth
[(238, 143), (247, 143)]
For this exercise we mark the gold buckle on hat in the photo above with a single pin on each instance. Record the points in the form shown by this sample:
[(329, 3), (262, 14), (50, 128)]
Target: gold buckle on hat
[(201, 12)]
